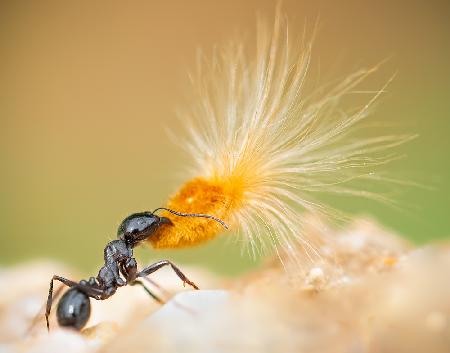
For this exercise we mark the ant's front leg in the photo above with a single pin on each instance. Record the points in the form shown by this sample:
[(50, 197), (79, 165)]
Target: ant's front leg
[(129, 269), (157, 265)]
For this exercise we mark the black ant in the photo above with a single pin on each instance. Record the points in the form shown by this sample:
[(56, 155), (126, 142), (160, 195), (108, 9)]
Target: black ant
[(120, 269)]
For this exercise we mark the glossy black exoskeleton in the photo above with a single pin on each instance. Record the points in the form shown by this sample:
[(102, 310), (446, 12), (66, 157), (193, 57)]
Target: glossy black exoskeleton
[(74, 309), (120, 269), (139, 226)]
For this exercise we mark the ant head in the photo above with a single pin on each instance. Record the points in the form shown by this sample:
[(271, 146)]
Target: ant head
[(139, 226)]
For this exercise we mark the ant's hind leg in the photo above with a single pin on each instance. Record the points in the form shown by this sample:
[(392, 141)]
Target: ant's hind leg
[(157, 265), (63, 280), (150, 293), (41, 311)]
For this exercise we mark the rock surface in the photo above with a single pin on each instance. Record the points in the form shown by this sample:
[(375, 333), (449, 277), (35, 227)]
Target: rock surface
[(370, 292)]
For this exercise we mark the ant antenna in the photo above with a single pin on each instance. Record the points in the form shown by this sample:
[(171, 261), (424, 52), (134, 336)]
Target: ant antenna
[(193, 215)]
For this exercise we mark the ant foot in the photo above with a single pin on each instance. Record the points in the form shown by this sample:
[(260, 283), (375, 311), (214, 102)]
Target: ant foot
[(192, 284)]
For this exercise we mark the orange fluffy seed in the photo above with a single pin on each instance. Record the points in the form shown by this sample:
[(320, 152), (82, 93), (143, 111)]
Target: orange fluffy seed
[(263, 150), (217, 197)]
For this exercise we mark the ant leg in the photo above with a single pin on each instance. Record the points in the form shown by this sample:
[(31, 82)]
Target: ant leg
[(154, 284), (63, 280), (157, 265), (129, 269), (167, 295), (159, 300), (35, 320), (89, 290)]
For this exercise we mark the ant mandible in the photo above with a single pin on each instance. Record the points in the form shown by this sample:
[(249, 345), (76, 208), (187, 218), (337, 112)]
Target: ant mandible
[(120, 269)]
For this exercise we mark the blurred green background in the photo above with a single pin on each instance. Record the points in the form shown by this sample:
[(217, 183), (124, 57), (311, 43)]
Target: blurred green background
[(87, 88)]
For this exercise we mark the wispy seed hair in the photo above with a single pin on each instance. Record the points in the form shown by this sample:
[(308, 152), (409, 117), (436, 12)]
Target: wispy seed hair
[(263, 148)]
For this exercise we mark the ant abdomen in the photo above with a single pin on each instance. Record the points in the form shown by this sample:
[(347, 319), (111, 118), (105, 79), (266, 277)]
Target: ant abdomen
[(74, 309)]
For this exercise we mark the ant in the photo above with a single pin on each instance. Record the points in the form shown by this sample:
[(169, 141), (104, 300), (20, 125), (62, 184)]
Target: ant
[(120, 269)]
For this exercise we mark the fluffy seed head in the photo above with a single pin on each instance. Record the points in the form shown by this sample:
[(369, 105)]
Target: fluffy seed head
[(262, 147)]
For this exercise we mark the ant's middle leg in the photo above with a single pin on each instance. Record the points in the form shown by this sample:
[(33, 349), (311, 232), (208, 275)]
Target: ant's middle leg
[(149, 292), (157, 265)]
